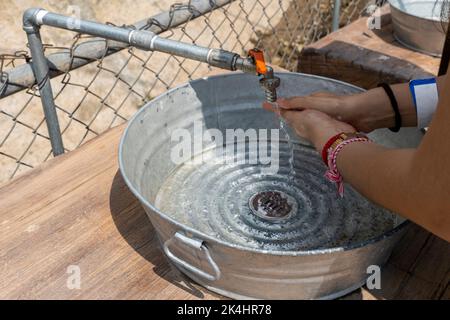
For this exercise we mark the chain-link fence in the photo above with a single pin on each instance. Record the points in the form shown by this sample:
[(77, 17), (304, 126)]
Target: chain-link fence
[(98, 84)]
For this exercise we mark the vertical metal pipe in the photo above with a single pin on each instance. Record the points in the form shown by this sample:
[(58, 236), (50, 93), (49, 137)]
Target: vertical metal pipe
[(41, 73), (336, 14)]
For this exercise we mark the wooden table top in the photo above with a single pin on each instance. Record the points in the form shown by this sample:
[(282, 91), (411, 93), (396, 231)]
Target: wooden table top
[(366, 57), (76, 210)]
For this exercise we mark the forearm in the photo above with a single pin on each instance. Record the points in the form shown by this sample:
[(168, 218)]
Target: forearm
[(377, 172), (374, 109), (411, 182), (389, 177)]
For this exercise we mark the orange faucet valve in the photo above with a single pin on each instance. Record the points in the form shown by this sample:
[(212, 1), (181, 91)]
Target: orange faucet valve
[(258, 57)]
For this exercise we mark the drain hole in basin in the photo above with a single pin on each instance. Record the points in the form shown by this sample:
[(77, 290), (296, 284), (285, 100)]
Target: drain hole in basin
[(275, 206)]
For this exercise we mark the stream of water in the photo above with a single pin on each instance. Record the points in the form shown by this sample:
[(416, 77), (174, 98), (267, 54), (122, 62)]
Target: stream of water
[(285, 132)]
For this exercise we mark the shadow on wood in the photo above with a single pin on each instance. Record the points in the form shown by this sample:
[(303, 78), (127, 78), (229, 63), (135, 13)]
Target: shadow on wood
[(362, 67), (419, 268), (135, 227)]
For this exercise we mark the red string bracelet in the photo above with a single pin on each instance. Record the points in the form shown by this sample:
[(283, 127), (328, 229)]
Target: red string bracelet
[(327, 146), (335, 140), (333, 174), (330, 152)]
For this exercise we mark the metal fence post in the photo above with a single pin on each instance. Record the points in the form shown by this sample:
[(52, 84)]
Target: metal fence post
[(41, 72), (336, 15)]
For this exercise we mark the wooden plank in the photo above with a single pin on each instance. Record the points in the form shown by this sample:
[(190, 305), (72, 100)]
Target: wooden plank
[(430, 274), (446, 293), (438, 251), (366, 57), (406, 253), (76, 210)]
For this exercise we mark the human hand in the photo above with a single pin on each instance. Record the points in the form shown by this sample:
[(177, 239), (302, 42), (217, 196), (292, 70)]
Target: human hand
[(350, 109), (314, 125)]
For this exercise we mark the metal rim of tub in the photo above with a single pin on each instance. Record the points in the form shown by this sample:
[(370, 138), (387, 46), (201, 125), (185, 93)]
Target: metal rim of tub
[(406, 45), (206, 237), (394, 4), (332, 296)]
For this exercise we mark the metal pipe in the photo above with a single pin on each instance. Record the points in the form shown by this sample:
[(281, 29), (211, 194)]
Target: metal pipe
[(141, 39), (41, 73), (22, 77), (336, 15), (145, 40)]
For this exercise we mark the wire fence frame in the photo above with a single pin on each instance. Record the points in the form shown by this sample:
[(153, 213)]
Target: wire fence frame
[(99, 84)]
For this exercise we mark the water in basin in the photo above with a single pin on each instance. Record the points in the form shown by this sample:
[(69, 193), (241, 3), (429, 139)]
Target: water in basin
[(213, 197)]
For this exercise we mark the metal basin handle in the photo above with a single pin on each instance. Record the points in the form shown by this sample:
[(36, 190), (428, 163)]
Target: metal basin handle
[(198, 245)]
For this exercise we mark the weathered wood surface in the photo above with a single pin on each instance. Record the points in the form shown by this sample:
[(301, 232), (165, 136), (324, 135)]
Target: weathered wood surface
[(366, 57), (76, 210)]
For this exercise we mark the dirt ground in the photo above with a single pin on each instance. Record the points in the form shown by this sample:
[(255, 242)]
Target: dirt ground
[(124, 12)]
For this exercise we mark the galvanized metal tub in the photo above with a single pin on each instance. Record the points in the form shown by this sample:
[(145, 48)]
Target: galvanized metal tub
[(418, 25), (230, 269)]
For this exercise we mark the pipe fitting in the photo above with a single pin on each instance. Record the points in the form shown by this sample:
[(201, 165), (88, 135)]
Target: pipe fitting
[(32, 19), (270, 84), (246, 65), (142, 39), (222, 59)]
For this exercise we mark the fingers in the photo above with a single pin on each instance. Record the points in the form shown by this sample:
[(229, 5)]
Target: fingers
[(315, 126), (322, 94), (317, 106), (322, 101), (293, 103), (269, 106), (312, 101), (289, 116), (311, 124), (305, 102), (293, 117), (273, 108), (302, 120)]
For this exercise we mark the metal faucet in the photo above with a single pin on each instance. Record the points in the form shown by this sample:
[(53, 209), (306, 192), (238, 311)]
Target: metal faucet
[(269, 82)]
